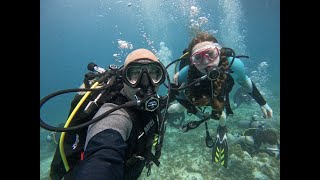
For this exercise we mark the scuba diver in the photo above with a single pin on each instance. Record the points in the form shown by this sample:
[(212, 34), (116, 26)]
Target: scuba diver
[(257, 138), (126, 119), (206, 81)]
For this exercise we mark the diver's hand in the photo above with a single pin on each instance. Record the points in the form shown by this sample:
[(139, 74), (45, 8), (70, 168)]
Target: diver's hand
[(267, 111)]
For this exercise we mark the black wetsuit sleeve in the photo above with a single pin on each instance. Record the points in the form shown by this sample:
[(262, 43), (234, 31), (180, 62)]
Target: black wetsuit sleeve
[(103, 157), (256, 95)]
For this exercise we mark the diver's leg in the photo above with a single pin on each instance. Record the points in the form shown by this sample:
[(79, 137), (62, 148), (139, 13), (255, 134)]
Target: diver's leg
[(223, 118)]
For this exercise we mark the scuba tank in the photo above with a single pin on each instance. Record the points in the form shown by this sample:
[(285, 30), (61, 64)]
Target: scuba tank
[(97, 83)]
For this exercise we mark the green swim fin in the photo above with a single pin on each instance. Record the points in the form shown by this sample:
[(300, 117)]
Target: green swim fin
[(220, 148)]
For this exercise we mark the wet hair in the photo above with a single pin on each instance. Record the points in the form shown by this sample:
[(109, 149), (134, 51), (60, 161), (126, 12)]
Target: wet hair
[(201, 37), (217, 102), (269, 136)]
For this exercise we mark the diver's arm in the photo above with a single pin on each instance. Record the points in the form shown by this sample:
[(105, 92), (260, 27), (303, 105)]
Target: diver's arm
[(105, 146), (244, 81), (239, 74), (118, 120), (253, 91), (103, 158)]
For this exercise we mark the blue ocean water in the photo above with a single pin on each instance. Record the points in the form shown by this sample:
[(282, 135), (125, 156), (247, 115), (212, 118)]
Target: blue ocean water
[(76, 32)]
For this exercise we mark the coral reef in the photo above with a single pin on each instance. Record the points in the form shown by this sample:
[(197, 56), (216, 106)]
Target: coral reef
[(185, 155)]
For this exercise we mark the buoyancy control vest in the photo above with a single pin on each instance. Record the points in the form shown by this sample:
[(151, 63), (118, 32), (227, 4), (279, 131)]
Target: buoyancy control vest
[(138, 145), (206, 90)]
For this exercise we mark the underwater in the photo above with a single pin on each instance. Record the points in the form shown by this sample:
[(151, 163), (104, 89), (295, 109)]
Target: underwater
[(74, 33)]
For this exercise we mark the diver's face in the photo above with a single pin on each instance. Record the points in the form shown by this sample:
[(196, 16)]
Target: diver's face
[(205, 55)]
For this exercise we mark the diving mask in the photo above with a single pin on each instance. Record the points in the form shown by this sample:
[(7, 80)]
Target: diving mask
[(134, 70), (205, 54)]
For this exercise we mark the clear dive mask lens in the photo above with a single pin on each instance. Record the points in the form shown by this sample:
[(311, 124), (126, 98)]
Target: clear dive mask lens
[(208, 53), (134, 71)]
